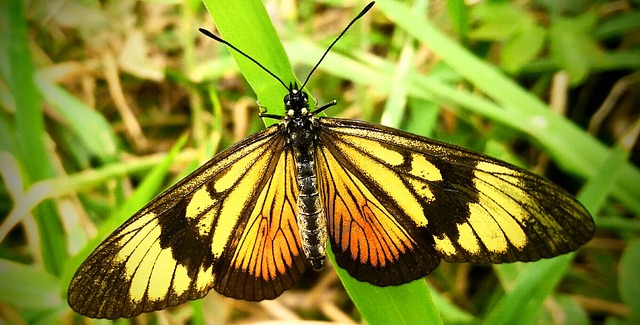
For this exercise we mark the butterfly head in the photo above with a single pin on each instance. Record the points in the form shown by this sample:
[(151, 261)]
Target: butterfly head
[(296, 102), (298, 120)]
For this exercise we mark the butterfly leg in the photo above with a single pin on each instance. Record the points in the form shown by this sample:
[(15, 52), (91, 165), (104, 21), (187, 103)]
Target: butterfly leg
[(263, 112), (325, 106)]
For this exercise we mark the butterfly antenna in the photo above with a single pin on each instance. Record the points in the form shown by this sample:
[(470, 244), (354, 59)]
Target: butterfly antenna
[(217, 38), (362, 13)]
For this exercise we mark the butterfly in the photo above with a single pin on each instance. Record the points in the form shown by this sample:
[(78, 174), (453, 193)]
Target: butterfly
[(391, 204)]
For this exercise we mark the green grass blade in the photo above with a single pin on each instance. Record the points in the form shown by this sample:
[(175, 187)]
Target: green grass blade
[(43, 291), (79, 118), (29, 121), (629, 285), (246, 25), (459, 14)]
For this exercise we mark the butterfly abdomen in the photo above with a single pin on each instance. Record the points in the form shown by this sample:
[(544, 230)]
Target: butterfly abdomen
[(311, 221)]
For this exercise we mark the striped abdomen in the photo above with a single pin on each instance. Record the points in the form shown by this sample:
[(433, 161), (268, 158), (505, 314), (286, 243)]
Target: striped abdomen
[(311, 221)]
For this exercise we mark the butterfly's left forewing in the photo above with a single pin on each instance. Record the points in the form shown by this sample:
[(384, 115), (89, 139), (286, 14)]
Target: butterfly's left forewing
[(396, 203), (230, 225)]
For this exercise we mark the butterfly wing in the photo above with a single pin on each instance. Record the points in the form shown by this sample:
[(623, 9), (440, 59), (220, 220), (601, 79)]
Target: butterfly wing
[(396, 203), (230, 225), (266, 257)]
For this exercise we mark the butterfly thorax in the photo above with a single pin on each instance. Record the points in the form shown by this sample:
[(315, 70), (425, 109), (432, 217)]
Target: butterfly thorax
[(300, 134), (298, 119)]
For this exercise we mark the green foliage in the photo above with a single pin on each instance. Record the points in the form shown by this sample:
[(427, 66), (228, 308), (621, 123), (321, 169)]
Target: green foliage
[(522, 38), (573, 47), (570, 42)]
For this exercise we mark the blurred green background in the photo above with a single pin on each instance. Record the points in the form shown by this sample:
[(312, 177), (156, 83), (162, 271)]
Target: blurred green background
[(104, 104)]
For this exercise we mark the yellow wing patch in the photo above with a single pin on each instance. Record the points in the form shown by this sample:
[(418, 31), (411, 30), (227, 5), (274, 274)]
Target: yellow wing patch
[(377, 167)]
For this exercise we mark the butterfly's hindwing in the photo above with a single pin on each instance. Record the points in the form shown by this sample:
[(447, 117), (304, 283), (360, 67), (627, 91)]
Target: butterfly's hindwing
[(434, 198), (265, 255), (367, 236), (201, 233)]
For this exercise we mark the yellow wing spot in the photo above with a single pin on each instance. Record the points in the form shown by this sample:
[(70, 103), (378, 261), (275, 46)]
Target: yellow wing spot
[(511, 200), (494, 168), (199, 202), (422, 188), (502, 217), (239, 166), (205, 223), (140, 263), (487, 229), (444, 245), (205, 278), (507, 203), (376, 171), (467, 239), (162, 264), (181, 280), (504, 187), (422, 168), (376, 149), (136, 233), (233, 205), (132, 230)]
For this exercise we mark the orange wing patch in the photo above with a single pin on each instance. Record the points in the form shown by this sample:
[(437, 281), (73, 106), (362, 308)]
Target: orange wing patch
[(266, 253), (367, 240)]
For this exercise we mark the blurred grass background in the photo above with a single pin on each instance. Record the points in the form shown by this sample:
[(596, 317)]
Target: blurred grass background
[(104, 104)]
